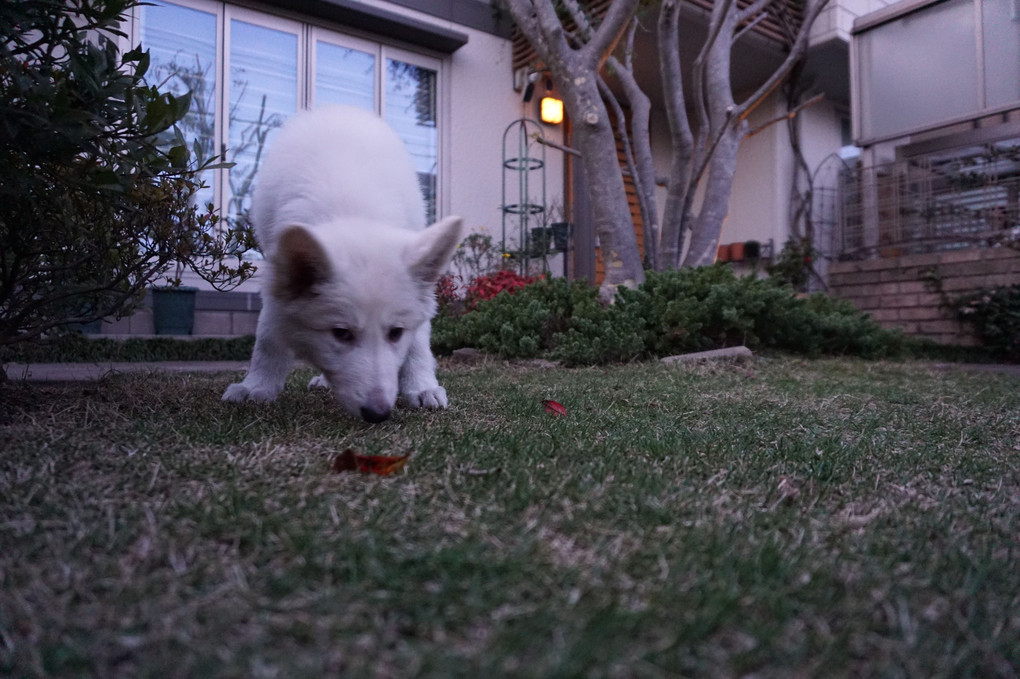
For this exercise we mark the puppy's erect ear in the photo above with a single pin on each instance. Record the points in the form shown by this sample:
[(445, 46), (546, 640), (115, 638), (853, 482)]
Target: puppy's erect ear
[(430, 252), (300, 263)]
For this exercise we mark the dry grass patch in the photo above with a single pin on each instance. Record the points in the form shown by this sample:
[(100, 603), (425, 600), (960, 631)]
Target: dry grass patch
[(829, 518)]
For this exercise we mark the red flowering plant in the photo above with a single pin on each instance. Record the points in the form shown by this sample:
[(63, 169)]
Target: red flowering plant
[(490, 285), (448, 295), (477, 260)]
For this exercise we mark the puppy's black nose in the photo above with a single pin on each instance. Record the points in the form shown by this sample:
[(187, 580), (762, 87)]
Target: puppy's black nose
[(370, 414)]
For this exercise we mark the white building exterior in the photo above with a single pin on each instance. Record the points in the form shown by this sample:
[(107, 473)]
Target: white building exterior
[(442, 74)]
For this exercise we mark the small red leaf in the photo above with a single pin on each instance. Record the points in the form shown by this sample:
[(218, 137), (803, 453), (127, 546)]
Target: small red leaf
[(345, 462), (383, 465), (554, 408)]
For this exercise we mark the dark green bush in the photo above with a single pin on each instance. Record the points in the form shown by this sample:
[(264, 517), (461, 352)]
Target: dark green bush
[(995, 316), (72, 347), (675, 312), (520, 325)]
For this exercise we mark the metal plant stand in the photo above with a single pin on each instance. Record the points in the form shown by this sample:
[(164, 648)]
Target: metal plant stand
[(523, 174)]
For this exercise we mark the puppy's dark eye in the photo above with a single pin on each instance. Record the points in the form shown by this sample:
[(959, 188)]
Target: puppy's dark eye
[(343, 335), (395, 334)]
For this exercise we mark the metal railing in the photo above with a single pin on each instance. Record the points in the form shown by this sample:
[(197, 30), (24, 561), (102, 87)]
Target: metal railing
[(927, 205)]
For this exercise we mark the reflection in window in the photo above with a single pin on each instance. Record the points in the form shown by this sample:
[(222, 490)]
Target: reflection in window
[(1001, 42), (411, 110), (263, 93), (344, 76), (182, 52)]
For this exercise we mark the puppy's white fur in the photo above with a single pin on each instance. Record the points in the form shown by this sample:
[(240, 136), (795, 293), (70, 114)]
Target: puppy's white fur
[(351, 268)]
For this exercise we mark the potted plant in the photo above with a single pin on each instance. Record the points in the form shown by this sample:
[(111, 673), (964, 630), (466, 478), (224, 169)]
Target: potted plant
[(173, 309), (559, 227), (752, 250), (540, 242)]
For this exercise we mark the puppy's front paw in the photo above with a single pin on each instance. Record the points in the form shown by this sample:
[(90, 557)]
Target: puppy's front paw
[(318, 382), (239, 393), (434, 397)]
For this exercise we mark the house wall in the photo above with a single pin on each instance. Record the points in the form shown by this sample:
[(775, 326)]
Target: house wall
[(837, 20), (897, 292), (761, 183), (481, 103), (760, 202), (477, 103)]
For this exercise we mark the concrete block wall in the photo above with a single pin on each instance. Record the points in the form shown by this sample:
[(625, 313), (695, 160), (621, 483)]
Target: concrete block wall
[(896, 291), (217, 314)]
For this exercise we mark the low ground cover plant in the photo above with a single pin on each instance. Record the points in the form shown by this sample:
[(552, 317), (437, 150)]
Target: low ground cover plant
[(673, 312), (74, 348), (816, 518)]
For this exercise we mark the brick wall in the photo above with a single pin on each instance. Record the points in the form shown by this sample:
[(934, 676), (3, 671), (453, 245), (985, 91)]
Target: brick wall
[(895, 293)]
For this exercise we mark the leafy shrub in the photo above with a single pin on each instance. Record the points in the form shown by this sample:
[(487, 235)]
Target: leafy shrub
[(995, 317), (793, 265), (96, 181), (670, 313), (520, 324), (477, 255)]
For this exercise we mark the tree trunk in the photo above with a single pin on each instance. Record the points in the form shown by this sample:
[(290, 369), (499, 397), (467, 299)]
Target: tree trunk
[(639, 139), (574, 62), (593, 137), (704, 133), (715, 203), (682, 139)]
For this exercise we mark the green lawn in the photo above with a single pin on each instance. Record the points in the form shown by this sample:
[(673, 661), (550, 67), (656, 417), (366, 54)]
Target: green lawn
[(791, 519)]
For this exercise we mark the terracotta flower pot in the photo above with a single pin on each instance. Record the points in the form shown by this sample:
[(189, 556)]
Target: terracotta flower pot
[(723, 253), (737, 252)]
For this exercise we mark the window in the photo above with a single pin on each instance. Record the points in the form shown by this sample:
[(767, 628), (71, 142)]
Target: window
[(182, 45), (900, 62), (935, 63), (344, 74), (249, 71), (262, 92), (410, 108)]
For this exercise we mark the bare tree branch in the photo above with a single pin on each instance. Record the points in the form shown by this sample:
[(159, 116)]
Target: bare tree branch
[(814, 8), (610, 30), (637, 150), (753, 10), (786, 116), (750, 26)]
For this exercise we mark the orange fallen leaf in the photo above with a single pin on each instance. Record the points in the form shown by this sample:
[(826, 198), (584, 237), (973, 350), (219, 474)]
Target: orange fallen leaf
[(554, 408), (383, 465)]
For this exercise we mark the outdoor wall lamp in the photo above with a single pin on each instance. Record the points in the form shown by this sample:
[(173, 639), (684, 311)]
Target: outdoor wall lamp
[(550, 109)]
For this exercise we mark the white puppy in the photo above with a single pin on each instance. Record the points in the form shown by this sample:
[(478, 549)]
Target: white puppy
[(350, 267)]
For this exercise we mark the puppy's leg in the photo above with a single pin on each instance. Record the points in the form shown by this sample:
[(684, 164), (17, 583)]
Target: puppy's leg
[(418, 384), (270, 363)]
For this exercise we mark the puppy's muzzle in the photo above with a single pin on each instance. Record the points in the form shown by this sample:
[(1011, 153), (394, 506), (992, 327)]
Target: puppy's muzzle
[(374, 414)]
